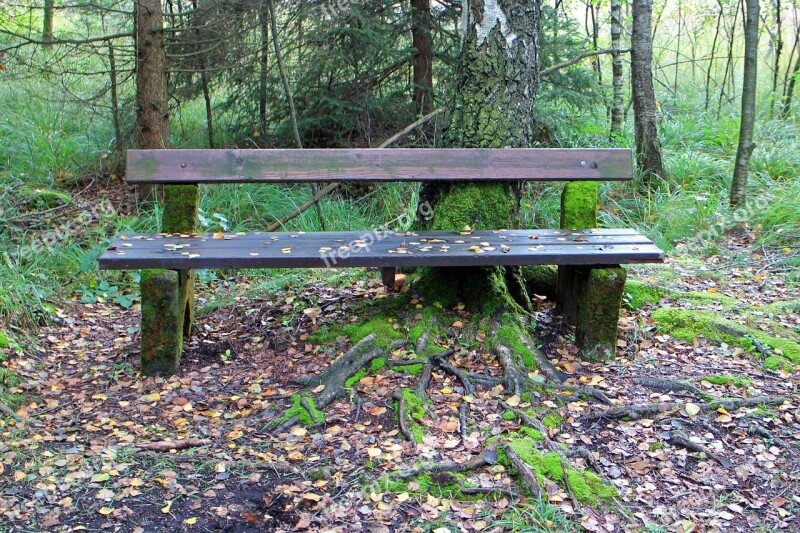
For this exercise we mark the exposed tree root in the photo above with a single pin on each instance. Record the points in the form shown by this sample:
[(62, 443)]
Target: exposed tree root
[(542, 362), (167, 445), (402, 416), (526, 474), (469, 389), (9, 412), (760, 431), (473, 491), (515, 378), (638, 411), (488, 456), (679, 438), (667, 385)]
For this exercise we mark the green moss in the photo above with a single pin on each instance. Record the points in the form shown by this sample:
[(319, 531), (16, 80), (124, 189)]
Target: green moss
[(727, 379), (441, 485), (383, 329), (777, 362), (531, 433), (637, 294), (579, 205), (689, 324), (552, 420), (412, 367), (9, 379), (415, 409), (540, 279), (180, 208), (724, 301), (656, 446), (375, 365), (791, 306), (305, 417), (477, 205), (589, 488), (509, 336), (509, 415)]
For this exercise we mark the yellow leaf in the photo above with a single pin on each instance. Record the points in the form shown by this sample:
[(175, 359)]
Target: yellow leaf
[(692, 409), (296, 456), (446, 390), (311, 496), (374, 452), (513, 401), (299, 432), (190, 521), (154, 397), (166, 509), (787, 250), (235, 434), (403, 496), (318, 389), (469, 399), (136, 482), (19, 476), (712, 290), (105, 511)]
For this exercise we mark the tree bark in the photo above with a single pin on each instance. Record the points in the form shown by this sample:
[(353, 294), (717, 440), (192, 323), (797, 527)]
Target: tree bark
[(778, 50), (617, 79), (492, 106), (152, 89), (423, 56), (648, 142), (748, 118)]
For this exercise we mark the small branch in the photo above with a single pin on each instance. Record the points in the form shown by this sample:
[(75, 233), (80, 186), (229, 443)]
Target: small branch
[(402, 414), (579, 58), (167, 445)]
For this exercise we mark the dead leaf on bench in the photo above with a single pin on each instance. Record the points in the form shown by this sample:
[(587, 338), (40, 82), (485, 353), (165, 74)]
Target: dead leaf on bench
[(286, 250)]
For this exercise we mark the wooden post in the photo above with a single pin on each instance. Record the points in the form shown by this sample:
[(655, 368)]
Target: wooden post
[(168, 295)]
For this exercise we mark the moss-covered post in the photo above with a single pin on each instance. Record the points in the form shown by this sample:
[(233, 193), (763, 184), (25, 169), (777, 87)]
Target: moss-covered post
[(599, 297), (168, 295), (578, 211)]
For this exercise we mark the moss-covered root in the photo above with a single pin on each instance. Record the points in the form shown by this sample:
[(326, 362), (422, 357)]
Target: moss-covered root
[(599, 297), (688, 324), (518, 355), (167, 298), (410, 410)]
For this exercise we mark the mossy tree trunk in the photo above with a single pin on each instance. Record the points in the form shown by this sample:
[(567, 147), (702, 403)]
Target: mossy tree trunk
[(492, 107)]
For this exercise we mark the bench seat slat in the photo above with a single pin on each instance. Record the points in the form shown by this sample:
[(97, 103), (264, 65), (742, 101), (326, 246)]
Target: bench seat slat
[(377, 165), (392, 249)]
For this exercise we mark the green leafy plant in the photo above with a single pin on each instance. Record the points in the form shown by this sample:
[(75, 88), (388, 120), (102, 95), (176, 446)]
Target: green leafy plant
[(104, 291)]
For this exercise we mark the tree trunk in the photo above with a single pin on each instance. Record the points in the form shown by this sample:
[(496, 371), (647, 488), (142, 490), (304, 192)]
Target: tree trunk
[(778, 50), (711, 57), (617, 107), (648, 143), (263, 14), (493, 106), (47, 22), (746, 144), (423, 56), (152, 94)]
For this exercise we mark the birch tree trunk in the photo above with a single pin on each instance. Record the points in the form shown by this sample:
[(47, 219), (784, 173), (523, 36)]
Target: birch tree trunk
[(748, 119), (648, 142), (47, 22), (493, 106)]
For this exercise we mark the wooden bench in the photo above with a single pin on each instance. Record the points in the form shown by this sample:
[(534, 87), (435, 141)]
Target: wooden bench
[(587, 257)]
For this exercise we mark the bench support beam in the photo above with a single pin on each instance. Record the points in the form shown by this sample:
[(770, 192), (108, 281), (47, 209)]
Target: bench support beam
[(598, 297), (167, 315), (168, 295)]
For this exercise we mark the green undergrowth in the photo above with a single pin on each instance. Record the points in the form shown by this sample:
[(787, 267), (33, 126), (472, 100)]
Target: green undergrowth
[(689, 324), (639, 294), (9, 381), (415, 408)]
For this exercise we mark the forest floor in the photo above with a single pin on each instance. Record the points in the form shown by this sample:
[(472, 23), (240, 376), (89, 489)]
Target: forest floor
[(85, 453)]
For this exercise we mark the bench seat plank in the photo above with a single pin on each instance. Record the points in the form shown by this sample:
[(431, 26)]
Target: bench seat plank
[(375, 249), (377, 165)]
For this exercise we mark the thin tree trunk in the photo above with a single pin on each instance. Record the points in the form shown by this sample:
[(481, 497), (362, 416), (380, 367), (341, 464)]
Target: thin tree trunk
[(47, 22), (423, 56), (678, 46), (778, 51), (729, 61), (152, 90), (748, 119), (787, 100), (618, 81), (648, 142), (262, 85), (289, 99), (711, 58), (112, 73)]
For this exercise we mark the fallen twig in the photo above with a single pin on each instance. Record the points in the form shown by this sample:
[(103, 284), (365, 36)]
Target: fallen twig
[(167, 445)]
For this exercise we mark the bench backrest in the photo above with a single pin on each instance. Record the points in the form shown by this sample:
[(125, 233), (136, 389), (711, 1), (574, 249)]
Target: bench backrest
[(388, 164)]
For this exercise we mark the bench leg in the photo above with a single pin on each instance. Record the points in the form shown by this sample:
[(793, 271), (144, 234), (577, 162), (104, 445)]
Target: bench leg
[(388, 275), (566, 295), (167, 314), (598, 297)]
